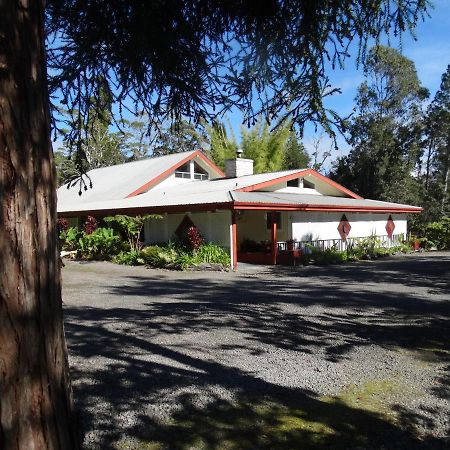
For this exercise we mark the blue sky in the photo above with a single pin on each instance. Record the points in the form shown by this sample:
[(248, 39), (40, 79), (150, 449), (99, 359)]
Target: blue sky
[(430, 53)]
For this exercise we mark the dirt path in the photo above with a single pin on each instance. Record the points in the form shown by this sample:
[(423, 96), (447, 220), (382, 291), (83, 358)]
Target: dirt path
[(352, 356)]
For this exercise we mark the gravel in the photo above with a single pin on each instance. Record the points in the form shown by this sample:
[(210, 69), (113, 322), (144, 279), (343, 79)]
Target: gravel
[(148, 347)]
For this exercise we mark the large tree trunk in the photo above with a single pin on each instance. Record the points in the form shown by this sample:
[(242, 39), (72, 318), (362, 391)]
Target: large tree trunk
[(35, 394)]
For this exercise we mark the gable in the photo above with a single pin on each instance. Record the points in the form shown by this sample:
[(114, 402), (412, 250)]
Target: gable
[(119, 181), (308, 182), (203, 169)]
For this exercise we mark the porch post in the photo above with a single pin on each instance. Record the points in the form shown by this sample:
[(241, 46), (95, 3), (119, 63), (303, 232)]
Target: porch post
[(274, 238), (233, 243)]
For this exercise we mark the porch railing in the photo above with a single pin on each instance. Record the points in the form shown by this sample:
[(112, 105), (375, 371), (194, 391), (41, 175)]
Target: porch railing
[(197, 176), (339, 244)]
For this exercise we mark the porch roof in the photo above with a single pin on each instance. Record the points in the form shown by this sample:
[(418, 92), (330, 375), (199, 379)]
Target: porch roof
[(218, 195), (282, 200)]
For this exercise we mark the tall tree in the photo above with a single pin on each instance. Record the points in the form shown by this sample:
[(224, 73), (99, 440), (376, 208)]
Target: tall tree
[(170, 59), (181, 136), (386, 131), (266, 148), (437, 159), (221, 145), (35, 394), (136, 139), (89, 142), (295, 154)]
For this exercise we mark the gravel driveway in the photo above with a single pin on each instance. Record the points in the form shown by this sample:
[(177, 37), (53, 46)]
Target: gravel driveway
[(351, 356)]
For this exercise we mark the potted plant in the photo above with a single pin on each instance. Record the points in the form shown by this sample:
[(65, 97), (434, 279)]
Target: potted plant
[(290, 243)]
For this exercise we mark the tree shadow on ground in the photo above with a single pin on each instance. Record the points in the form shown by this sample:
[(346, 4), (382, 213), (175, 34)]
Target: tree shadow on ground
[(212, 405)]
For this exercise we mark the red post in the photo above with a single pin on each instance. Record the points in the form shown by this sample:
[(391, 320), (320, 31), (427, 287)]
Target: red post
[(274, 238), (233, 241)]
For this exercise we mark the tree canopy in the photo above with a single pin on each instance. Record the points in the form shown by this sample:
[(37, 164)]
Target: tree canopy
[(181, 59), (385, 132), (437, 150), (171, 59)]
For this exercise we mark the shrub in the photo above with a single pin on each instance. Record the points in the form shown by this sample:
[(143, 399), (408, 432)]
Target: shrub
[(213, 254), (101, 244), (328, 256), (69, 238), (63, 224), (176, 256), (195, 239), (366, 248), (160, 256), (90, 225), (131, 258), (437, 234), (131, 227)]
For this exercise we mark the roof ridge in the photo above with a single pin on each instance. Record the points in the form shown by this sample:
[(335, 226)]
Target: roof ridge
[(148, 158)]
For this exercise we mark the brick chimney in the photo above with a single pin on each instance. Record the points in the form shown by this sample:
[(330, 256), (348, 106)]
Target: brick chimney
[(238, 167)]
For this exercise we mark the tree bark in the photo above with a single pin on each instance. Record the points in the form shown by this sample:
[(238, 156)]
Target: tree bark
[(446, 163), (35, 394)]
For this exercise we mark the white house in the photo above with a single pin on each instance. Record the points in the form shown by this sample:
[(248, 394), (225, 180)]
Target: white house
[(235, 209)]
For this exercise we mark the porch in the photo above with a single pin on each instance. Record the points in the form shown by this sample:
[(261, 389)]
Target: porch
[(290, 252)]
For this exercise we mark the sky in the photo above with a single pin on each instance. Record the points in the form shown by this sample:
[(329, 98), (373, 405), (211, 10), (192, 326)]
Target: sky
[(430, 53)]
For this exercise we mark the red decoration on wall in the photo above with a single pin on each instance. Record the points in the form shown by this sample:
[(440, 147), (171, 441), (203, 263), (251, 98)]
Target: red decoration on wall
[(390, 227), (344, 227), (184, 226)]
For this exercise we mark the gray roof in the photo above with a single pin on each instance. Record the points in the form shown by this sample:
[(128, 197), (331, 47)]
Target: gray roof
[(305, 200), (221, 192), (112, 186), (116, 182)]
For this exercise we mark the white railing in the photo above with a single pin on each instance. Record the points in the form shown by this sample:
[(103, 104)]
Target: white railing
[(197, 176), (339, 244), (179, 174)]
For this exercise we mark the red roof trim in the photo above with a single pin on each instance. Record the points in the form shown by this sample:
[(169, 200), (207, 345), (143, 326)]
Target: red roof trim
[(148, 210), (240, 206), (167, 172), (292, 176), (325, 208)]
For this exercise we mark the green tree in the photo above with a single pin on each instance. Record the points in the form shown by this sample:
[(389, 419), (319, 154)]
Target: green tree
[(386, 131), (65, 167), (221, 147), (266, 148), (295, 154), (96, 146), (132, 227), (182, 136), (170, 59), (136, 141), (437, 159)]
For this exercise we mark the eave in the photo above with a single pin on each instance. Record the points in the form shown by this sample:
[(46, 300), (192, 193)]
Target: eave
[(324, 208), (154, 181)]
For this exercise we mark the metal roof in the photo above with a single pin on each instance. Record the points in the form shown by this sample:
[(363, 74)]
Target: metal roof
[(305, 200), (204, 193), (194, 192), (112, 187), (116, 182)]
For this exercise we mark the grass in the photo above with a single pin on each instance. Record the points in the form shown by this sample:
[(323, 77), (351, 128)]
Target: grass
[(360, 416)]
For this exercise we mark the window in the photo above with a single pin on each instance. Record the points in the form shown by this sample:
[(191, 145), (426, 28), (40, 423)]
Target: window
[(183, 171), (293, 183), (308, 185), (276, 216)]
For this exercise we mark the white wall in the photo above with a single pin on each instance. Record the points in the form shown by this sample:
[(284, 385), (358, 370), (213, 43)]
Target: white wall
[(322, 225), (214, 227)]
